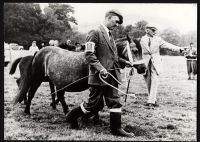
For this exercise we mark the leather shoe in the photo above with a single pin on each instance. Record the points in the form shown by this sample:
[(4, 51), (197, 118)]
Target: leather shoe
[(121, 132), (152, 105)]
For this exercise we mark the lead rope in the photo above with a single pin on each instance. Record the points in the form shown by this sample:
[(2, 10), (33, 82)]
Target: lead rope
[(101, 78), (77, 81), (132, 95)]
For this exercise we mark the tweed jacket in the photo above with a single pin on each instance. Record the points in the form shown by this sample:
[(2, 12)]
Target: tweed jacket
[(152, 52), (105, 56)]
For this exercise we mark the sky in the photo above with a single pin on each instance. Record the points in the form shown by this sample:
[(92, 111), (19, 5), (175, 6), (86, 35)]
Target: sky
[(182, 17)]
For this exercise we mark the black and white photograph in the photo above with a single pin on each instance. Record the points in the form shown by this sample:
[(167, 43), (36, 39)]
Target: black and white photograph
[(100, 71)]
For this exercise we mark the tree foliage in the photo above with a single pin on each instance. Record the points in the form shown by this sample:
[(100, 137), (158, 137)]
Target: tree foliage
[(21, 22), (25, 22), (171, 35)]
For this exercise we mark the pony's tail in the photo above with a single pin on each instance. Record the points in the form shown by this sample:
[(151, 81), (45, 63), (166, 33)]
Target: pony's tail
[(25, 81), (14, 65)]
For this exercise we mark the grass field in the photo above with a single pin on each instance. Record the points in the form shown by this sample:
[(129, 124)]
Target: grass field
[(174, 120)]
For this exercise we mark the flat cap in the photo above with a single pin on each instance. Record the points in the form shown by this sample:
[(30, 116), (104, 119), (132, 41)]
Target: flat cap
[(117, 13), (151, 27)]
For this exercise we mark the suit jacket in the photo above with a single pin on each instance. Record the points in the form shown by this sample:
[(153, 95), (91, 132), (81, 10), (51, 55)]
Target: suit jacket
[(152, 52), (104, 56)]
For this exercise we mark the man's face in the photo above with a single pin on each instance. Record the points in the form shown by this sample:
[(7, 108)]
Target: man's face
[(68, 42), (151, 32), (112, 22)]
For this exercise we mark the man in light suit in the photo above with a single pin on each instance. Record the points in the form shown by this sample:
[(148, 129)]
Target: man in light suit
[(151, 45), (101, 54)]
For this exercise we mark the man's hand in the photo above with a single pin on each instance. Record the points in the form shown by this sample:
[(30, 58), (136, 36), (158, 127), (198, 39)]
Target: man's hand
[(129, 64), (181, 49), (133, 47), (104, 72)]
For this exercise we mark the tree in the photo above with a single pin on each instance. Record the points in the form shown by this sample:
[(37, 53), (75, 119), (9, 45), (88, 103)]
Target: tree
[(58, 19), (119, 32), (171, 35), (141, 25), (25, 22), (21, 22), (186, 39)]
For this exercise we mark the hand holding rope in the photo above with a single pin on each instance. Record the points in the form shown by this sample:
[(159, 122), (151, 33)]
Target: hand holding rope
[(102, 77)]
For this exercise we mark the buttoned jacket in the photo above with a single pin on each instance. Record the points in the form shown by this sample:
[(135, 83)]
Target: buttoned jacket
[(105, 56), (152, 51)]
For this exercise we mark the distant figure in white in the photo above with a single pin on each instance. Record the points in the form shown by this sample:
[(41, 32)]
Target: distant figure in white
[(33, 48), (51, 42), (56, 43)]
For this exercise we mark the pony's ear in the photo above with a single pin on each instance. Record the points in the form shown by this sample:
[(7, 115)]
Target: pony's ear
[(128, 38)]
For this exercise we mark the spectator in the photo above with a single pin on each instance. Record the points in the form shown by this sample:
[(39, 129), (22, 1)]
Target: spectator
[(42, 45), (56, 43), (191, 56), (51, 42), (33, 48), (67, 45), (78, 47), (68, 42)]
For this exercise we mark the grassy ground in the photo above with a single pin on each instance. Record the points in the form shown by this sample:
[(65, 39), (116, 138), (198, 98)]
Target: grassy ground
[(174, 120)]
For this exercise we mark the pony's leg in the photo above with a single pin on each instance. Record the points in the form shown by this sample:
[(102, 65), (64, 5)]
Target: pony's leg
[(61, 98), (31, 94), (53, 103)]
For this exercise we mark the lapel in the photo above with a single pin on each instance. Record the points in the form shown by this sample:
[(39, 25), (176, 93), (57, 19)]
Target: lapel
[(105, 35)]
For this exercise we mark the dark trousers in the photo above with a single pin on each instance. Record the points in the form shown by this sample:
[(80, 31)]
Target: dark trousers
[(100, 93), (191, 66)]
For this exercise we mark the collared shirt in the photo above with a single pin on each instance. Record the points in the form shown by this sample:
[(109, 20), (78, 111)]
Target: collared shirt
[(106, 29)]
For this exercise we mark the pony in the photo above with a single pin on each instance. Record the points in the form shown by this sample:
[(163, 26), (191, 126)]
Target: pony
[(24, 63), (67, 68)]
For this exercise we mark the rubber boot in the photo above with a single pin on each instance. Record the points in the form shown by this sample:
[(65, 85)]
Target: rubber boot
[(72, 117), (115, 125)]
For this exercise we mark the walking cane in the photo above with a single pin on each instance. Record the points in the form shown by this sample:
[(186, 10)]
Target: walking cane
[(129, 80), (131, 71)]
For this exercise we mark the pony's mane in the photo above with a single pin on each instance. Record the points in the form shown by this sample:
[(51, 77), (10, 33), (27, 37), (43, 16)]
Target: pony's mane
[(138, 45), (121, 43)]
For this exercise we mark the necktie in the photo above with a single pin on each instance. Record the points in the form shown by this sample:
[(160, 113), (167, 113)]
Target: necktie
[(149, 43), (112, 42), (111, 39)]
